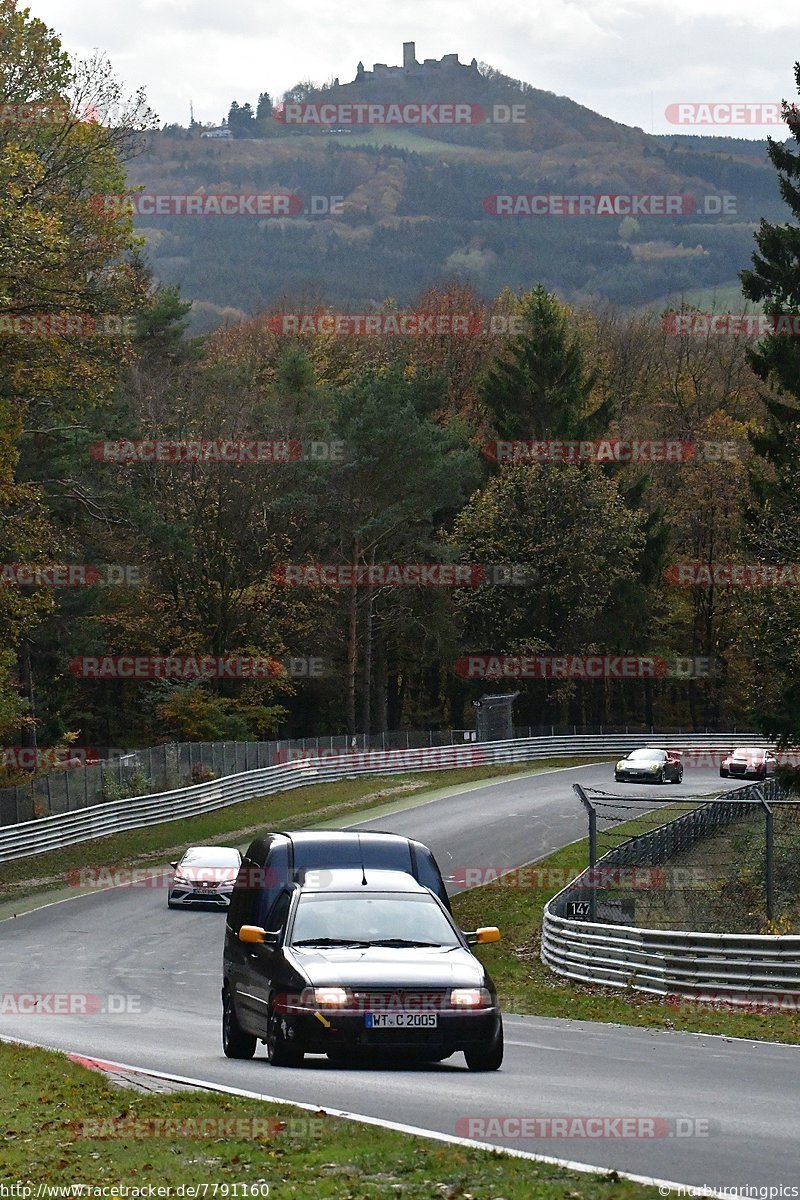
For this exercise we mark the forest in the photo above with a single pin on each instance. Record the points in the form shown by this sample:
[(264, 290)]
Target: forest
[(334, 504)]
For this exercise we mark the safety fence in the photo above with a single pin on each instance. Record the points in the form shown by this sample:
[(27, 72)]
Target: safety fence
[(588, 938), (93, 777), (112, 816)]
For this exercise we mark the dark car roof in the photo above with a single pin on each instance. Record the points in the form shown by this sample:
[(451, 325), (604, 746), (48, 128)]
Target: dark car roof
[(350, 879), (326, 837)]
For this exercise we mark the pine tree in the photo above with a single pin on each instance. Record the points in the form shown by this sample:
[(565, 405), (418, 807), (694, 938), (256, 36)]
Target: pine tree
[(773, 516)]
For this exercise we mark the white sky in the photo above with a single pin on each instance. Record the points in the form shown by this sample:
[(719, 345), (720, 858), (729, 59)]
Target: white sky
[(627, 59)]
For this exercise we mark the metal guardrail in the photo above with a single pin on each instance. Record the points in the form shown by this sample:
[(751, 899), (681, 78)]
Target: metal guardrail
[(115, 816), (172, 765), (735, 967)]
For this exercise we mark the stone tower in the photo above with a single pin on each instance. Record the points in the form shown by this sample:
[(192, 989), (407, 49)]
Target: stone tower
[(409, 55)]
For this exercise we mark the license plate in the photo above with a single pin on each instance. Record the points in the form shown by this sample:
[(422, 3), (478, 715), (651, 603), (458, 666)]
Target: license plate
[(401, 1020)]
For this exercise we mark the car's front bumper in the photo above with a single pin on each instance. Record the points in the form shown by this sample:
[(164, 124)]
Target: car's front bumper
[(189, 897), (331, 1031)]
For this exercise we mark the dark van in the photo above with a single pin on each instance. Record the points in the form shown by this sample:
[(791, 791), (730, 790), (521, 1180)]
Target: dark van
[(275, 860)]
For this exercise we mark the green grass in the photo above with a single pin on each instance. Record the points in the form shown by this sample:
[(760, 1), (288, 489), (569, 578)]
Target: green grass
[(49, 1105), (526, 985), (237, 824)]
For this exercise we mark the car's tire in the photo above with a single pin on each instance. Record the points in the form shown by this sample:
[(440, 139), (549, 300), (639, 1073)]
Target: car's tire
[(235, 1042), (280, 1051), (723, 774), (678, 775), (664, 778), (486, 1060)]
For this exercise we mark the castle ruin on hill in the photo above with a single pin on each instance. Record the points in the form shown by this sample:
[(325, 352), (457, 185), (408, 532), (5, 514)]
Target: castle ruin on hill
[(432, 68)]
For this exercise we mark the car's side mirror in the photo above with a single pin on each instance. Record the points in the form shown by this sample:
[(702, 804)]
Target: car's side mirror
[(175, 865), (254, 935), (481, 937)]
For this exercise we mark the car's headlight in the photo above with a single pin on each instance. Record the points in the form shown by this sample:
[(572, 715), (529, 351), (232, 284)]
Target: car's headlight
[(330, 997), (620, 765), (180, 879), (470, 998)]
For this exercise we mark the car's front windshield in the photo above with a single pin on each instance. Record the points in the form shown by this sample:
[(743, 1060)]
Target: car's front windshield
[(645, 755), (379, 918)]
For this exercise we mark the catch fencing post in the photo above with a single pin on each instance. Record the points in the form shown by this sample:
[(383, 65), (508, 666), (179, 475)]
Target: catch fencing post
[(769, 853), (587, 804)]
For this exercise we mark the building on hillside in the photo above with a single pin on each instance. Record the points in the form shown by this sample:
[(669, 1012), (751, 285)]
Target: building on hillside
[(221, 132), (431, 68)]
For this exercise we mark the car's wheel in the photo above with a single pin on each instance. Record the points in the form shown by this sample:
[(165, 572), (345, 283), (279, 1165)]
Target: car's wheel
[(280, 1051), (678, 775), (235, 1042), (486, 1060), (664, 777), (723, 774)]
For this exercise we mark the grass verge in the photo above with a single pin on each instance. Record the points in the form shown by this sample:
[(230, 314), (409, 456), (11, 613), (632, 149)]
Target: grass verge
[(526, 986), (236, 824), (52, 1104)]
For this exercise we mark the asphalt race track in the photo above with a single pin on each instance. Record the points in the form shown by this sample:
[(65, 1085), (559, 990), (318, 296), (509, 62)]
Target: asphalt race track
[(164, 967)]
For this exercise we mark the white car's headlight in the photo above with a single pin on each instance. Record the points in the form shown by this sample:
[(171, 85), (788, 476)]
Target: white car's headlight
[(331, 997), (470, 998)]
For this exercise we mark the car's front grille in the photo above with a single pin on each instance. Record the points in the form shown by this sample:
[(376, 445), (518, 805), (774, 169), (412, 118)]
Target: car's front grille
[(401, 1000)]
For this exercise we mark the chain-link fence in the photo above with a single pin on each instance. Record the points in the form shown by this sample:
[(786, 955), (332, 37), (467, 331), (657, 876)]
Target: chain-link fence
[(728, 865), (136, 772)]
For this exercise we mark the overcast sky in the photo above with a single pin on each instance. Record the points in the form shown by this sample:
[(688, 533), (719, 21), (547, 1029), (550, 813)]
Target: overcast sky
[(627, 59)]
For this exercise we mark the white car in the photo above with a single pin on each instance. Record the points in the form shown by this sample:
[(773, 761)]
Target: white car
[(204, 877)]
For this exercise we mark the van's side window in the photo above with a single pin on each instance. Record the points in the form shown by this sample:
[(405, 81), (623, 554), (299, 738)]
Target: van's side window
[(245, 896), (427, 873), (280, 911), (275, 878)]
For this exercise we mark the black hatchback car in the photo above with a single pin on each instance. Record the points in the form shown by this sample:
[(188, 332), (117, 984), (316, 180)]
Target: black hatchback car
[(357, 962), (275, 859)]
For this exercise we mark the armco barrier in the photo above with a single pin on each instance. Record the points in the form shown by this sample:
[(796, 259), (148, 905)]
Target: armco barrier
[(69, 829), (725, 968)]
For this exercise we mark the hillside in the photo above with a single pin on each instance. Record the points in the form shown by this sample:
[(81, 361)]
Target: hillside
[(413, 205)]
